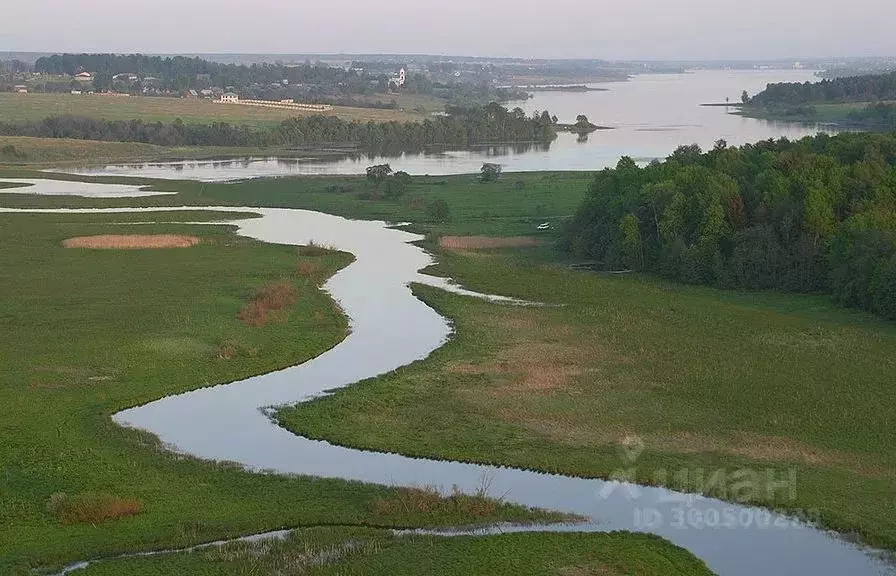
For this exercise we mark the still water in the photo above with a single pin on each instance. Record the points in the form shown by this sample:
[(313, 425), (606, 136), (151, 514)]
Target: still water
[(651, 115)]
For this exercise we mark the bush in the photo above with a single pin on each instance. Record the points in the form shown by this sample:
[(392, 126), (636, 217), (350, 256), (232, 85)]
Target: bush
[(490, 172), (438, 211)]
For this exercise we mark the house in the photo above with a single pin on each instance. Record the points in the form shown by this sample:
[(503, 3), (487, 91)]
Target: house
[(206, 93), (400, 78), (191, 94), (76, 92), (20, 89), (229, 97), (85, 76)]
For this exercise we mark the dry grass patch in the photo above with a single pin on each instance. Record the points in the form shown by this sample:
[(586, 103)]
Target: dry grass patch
[(91, 508), (268, 304), (131, 241), (308, 268), (533, 367), (764, 448), (486, 242)]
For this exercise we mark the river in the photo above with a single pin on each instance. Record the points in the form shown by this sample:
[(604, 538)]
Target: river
[(392, 328), (651, 115)]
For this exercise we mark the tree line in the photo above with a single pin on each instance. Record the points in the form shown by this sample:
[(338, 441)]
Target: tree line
[(463, 127), (815, 215), (867, 88)]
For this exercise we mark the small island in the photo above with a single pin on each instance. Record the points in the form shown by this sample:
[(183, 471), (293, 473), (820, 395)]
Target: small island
[(581, 127)]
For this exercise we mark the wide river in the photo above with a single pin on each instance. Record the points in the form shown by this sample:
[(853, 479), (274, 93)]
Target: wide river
[(391, 328), (651, 114)]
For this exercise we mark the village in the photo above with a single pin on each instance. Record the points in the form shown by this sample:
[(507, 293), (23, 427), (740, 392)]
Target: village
[(131, 84)]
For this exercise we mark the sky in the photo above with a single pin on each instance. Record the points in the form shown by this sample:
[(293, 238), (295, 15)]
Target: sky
[(609, 29)]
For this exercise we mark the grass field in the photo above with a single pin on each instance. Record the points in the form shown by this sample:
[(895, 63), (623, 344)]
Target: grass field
[(334, 551), (18, 107), (706, 379), (86, 333)]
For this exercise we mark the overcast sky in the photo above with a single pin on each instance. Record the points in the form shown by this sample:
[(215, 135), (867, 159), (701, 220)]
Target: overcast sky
[(612, 29)]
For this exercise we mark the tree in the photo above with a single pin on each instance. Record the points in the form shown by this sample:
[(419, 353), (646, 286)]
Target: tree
[(490, 172), (377, 174), (438, 211), (632, 246), (745, 97)]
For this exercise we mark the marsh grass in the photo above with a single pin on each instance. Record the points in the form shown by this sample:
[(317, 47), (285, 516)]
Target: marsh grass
[(429, 500), (91, 508)]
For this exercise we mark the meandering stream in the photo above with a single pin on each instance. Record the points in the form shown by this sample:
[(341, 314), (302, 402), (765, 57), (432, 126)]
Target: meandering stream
[(391, 328)]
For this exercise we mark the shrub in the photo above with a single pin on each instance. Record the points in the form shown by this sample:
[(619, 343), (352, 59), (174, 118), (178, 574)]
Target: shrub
[(490, 172), (438, 211)]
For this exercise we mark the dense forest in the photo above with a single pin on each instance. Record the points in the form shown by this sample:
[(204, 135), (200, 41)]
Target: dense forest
[(462, 127), (867, 88), (816, 215)]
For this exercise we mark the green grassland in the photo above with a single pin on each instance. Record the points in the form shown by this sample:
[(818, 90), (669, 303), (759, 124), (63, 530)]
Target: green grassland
[(333, 551), (19, 107), (86, 333), (707, 379)]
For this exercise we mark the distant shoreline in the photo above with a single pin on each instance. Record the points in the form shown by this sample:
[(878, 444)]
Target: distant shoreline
[(551, 88)]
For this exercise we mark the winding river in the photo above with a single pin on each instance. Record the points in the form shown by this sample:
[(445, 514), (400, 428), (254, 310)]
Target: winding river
[(391, 328)]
